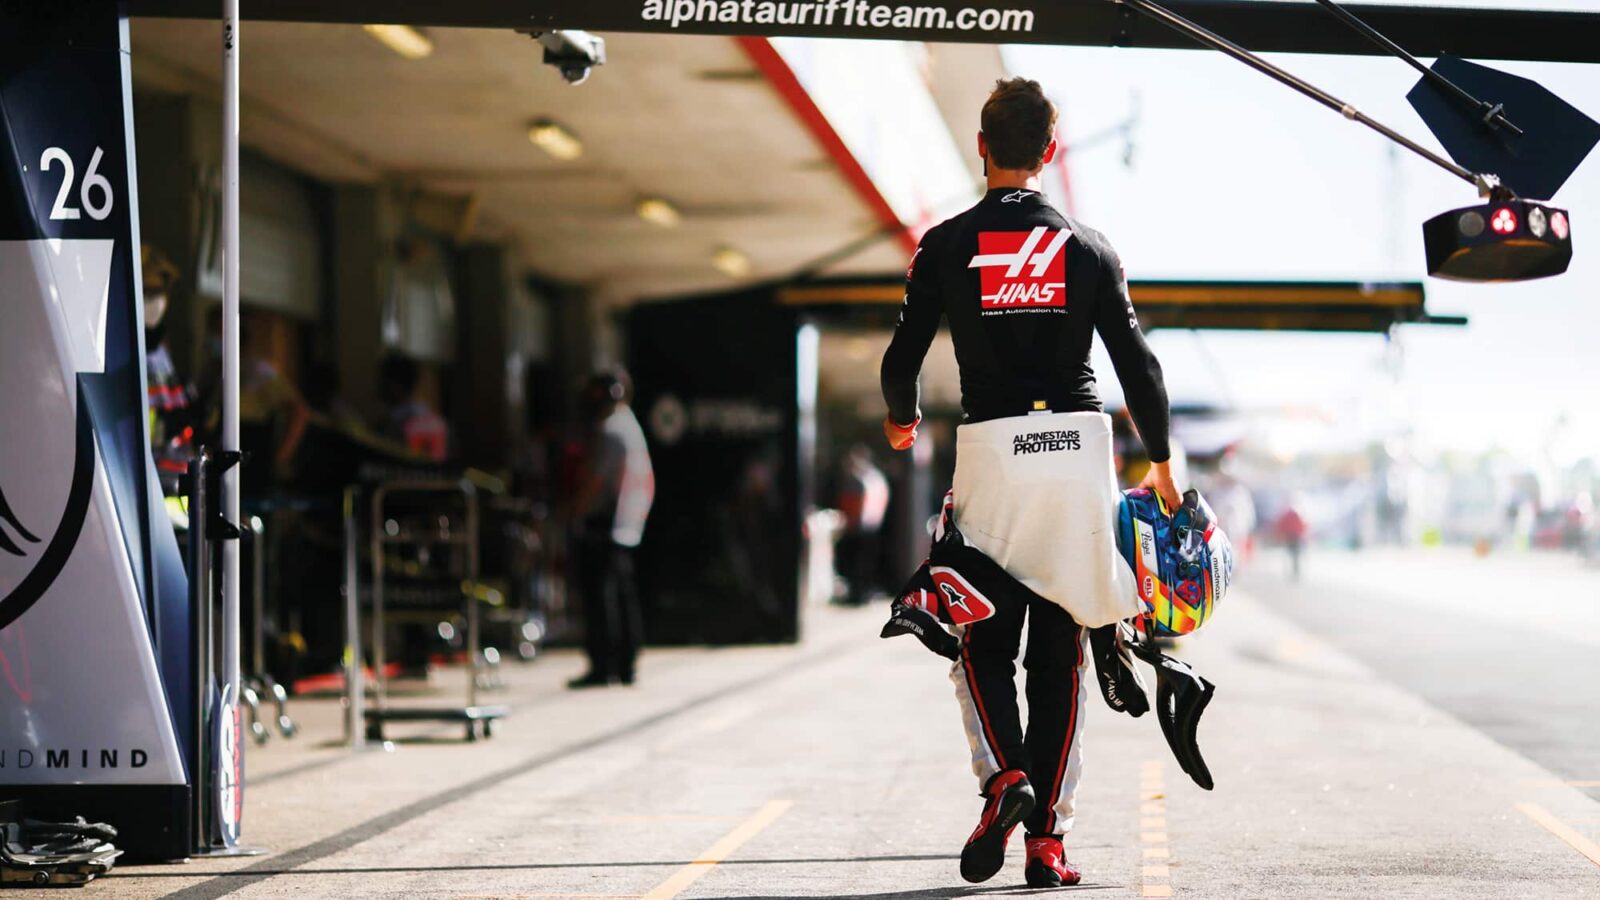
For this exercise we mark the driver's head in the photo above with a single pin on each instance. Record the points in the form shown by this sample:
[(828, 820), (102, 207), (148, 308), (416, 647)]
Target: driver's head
[(1019, 127)]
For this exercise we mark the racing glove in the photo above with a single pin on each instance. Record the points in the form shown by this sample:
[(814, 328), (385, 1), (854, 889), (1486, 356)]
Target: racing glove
[(905, 618), (1120, 683), (901, 437)]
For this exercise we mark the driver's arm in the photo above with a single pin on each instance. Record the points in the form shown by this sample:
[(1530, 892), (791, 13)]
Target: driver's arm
[(913, 334), (1136, 365)]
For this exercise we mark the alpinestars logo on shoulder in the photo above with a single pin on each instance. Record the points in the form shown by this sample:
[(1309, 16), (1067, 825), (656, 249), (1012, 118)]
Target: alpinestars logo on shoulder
[(1022, 271)]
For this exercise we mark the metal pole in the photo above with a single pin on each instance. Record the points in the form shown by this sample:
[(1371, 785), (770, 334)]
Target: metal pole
[(230, 348), (200, 604), (258, 592), (1217, 42), (1493, 116), (355, 680), (474, 639), (380, 680)]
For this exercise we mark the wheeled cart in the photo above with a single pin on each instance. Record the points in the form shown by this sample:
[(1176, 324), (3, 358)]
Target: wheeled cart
[(424, 558)]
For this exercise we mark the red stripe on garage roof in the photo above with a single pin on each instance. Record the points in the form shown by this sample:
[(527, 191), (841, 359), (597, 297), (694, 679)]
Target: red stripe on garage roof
[(777, 71)]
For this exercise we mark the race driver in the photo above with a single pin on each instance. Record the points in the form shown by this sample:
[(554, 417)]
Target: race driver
[(1024, 289)]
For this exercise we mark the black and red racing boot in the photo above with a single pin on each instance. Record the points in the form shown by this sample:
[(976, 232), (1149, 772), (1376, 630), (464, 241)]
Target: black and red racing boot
[(1008, 798), (1047, 867)]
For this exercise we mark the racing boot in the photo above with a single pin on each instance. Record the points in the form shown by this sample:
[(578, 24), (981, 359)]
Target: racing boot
[(1047, 867), (1008, 798)]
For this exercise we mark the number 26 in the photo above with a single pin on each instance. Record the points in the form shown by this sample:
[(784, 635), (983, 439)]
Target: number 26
[(93, 183)]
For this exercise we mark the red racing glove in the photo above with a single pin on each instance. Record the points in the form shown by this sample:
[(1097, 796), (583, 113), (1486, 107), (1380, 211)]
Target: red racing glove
[(901, 437)]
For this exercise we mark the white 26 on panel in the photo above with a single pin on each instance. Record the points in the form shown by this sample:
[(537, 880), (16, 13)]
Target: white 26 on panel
[(95, 186)]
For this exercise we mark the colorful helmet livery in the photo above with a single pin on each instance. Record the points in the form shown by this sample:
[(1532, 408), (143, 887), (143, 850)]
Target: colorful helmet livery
[(1182, 562)]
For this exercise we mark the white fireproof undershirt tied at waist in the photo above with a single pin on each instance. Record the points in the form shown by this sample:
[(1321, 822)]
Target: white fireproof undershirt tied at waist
[(1038, 495)]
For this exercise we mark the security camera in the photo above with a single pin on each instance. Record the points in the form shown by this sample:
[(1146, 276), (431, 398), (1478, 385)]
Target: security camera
[(574, 53)]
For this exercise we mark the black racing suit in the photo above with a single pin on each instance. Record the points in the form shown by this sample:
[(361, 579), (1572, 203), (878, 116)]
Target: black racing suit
[(1024, 290)]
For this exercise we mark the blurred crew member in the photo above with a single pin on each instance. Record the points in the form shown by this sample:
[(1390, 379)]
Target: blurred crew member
[(1235, 509), (411, 421), (863, 500), (271, 409), (1025, 290), (615, 490), (170, 398), (1292, 529)]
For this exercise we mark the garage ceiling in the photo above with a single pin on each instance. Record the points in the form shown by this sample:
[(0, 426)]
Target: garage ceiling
[(686, 119)]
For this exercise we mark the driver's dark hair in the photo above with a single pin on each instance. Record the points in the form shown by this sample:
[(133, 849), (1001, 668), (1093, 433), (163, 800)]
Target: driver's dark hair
[(1018, 123)]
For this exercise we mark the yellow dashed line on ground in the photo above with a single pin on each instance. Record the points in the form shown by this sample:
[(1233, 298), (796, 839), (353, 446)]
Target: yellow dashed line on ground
[(664, 818), (1154, 876), (1561, 830), (716, 853)]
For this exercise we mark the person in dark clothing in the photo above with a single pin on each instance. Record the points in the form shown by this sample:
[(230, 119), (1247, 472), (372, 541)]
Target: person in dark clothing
[(171, 399), (409, 419), (863, 501), (615, 492), (1024, 290)]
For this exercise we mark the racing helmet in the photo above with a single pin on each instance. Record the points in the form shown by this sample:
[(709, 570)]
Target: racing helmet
[(1181, 560)]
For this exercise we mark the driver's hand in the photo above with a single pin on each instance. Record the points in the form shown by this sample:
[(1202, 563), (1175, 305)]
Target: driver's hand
[(1159, 479), (901, 437)]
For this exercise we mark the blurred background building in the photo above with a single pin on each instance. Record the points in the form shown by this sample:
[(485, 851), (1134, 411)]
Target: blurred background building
[(730, 220)]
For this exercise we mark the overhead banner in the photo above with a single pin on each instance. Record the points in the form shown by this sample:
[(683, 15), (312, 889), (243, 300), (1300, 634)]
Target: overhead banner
[(86, 725), (1475, 31), (1007, 22)]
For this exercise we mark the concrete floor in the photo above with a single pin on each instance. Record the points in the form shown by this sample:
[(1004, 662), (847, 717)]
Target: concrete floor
[(836, 768)]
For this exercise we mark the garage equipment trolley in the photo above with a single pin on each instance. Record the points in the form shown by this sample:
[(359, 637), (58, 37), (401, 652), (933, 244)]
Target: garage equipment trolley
[(424, 558)]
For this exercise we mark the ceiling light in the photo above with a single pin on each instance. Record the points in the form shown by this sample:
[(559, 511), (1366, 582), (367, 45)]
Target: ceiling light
[(402, 39), (659, 212), (555, 140), (732, 263)]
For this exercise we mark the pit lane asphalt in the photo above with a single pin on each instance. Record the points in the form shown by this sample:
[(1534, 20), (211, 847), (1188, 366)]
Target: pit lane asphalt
[(836, 768), (1499, 641)]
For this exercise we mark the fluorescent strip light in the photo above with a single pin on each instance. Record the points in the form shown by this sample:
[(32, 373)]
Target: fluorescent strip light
[(402, 39), (555, 140), (732, 263), (659, 212)]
